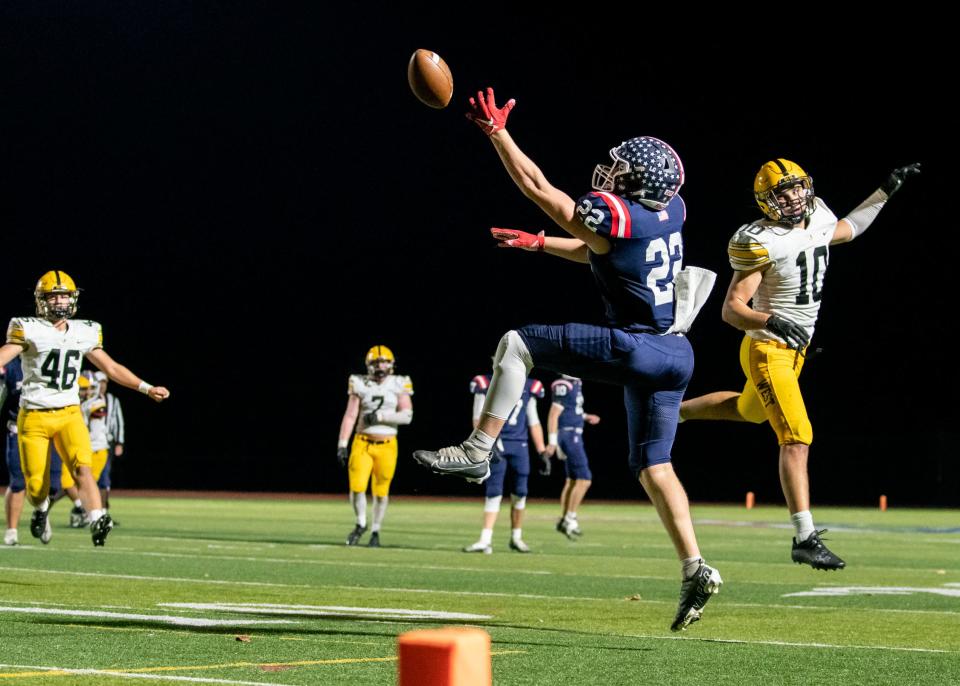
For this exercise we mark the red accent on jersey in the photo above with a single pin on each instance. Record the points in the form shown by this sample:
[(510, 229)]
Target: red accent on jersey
[(619, 215)]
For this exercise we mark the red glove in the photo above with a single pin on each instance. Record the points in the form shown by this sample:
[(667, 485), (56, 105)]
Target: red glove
[(512, 238), (487, 115)]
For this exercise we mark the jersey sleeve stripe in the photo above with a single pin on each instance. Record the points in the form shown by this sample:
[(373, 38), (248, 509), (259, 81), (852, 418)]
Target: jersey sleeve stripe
[(619, 215)]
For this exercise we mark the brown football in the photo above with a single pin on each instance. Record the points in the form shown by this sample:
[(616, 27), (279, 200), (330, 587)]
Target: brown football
[(430, 79)]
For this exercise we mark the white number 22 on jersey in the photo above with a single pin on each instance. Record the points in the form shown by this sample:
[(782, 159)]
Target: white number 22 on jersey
[(664, 294)]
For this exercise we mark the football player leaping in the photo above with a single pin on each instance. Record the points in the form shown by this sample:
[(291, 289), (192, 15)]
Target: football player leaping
[(51, 346), (780, 263), (381, 400), (629, 232)]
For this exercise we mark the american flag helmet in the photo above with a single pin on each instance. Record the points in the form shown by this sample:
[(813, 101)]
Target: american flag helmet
[(644, 169)]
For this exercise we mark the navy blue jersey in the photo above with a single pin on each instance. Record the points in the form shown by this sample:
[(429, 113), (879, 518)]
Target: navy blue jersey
[(569, 393), (13, 380), (516, 427), (646, 251)]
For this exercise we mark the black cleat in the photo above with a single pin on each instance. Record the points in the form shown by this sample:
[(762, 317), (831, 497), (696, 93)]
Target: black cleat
[(814, 553), (40, 526), (354, 536), (518, 545), (694, 594), (100, 528), (455, 461), (374, 541)]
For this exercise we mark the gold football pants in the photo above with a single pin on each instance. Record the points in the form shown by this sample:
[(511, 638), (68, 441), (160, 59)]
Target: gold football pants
[(97, 465), (772, 390), (35, 429), (372, 456)]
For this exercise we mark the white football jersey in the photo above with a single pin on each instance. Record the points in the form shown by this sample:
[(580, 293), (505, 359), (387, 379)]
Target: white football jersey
[(793, 282), (378, 396), (51, 359), (96, 424)]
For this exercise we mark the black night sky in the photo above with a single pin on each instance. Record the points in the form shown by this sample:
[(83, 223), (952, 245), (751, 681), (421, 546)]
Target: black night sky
[(250, 198)]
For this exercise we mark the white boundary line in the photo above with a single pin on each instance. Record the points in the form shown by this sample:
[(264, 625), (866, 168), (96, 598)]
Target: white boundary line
[(134, 675), (164, 619)]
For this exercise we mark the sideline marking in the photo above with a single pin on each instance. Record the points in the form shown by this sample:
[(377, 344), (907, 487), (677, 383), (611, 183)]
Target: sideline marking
[(847, 591), (163, 619), (327, 610)]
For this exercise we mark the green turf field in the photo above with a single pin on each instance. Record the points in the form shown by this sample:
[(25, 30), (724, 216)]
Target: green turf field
[(180, 580)]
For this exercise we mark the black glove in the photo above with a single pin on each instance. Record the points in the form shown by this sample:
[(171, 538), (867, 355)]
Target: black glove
[(898, 176), (546, 467), (793, 334), (343, 455), (370, 418)]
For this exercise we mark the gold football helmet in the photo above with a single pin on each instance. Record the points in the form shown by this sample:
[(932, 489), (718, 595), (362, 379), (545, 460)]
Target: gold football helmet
[(55, 283), (380, 361), (784, 191)]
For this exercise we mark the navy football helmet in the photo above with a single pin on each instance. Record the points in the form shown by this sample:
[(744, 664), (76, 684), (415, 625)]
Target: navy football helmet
[(644, 169)]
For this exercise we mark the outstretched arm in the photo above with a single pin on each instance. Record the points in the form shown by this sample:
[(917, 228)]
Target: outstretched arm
[(860, 219), (572, 249), (8, 351), (559, 206), (118, 373)]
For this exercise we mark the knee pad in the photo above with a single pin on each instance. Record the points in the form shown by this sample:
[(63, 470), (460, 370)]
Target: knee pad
[(492, 504), (512, 353), (518, 502)]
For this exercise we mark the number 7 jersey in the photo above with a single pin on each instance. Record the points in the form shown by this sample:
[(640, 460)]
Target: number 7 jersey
[(795, 262), (51, 359)]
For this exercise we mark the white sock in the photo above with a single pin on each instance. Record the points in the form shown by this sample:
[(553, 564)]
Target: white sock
[(44, 506), (379, 510), (803, 523), (359, 502), (95, 515), (78, 503), (486, 536), (571, 517), (515, 534), (690, 566), (478, 444)]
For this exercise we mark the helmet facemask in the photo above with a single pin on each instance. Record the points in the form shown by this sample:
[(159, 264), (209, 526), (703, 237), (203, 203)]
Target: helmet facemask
[(55, 311), (380, 368), (777, 204)]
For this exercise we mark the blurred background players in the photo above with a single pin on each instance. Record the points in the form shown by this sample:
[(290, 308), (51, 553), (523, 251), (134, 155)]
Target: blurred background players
[(779, 265), (382, 401), (511, 457), (51, 347), (565, 430), (10, 405), (115, 438), (629, 230), (94, 410)]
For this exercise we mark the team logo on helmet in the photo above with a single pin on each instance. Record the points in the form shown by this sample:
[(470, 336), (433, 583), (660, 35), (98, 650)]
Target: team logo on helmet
[(784, 191), (644, 169), (380, 361), (51, 284)]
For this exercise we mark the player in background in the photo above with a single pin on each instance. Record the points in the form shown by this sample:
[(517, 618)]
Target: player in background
[(51, 347), (565, 431), (116, 437), (94, 410), (779, 265), (381, 400), (511, 457), (629, 231), (10, 405)]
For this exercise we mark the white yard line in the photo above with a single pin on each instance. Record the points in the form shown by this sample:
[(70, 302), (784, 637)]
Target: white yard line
[(328, 611), (162, 619), (134, 675)]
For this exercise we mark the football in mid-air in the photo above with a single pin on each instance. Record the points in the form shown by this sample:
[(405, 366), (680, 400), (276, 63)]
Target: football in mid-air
[(430, 79)]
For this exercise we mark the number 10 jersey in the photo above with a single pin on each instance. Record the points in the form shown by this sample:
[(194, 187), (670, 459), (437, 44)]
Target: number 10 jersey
[(795, 262)]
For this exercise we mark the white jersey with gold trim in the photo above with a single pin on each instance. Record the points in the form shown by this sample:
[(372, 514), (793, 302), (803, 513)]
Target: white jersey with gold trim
[(51, 359), (796, 263), (95, 415), (378, 396)]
